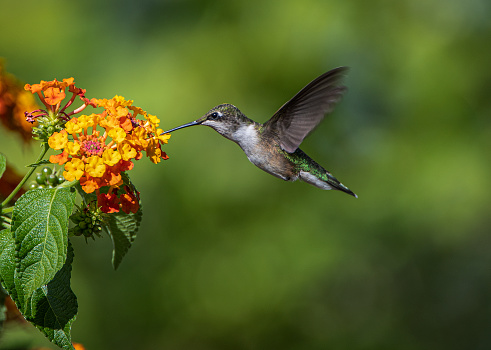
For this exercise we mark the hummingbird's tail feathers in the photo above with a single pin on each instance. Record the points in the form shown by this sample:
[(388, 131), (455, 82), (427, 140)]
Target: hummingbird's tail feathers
[(325, 181)]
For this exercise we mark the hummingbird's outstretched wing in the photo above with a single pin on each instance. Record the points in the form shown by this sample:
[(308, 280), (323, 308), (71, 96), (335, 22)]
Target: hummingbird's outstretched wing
[(300, 115)]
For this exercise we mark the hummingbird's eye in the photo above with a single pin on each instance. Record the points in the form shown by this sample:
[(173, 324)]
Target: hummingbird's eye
[(215, 115)]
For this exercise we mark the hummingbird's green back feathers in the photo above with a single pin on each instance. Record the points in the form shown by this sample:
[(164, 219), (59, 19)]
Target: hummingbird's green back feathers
[(311, 172)]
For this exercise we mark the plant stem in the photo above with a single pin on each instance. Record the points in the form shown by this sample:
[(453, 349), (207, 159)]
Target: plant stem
[(45, 148)]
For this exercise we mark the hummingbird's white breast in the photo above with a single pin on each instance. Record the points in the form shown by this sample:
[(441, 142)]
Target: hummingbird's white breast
[(259, 153), (247, 138)]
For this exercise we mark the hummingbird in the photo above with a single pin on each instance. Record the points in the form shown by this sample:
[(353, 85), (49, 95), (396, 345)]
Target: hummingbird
[(273, 146)]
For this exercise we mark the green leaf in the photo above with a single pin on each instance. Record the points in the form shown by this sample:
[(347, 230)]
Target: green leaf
[(68, 184), (3, 308), (122, 228), (7, 268), (3, 164), (53, 307), (40, 230), (41, 162), (7, 261)]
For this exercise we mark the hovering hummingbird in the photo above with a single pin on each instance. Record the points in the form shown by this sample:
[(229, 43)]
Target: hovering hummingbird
[(273, 146)]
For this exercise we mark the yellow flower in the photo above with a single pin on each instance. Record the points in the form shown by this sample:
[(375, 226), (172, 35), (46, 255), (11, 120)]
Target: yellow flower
[(164, 138), (111, 157), (96, 118), (114, 102), (115, 106), (109, 122), (85, 121), (58, 140), (120, 100), (73, 127), (95, 166), (153, 119), (120, 112), (74, 169), (72, 148), (137, 110), (153, 151), (127, 152), (117, 134), (138, 137)]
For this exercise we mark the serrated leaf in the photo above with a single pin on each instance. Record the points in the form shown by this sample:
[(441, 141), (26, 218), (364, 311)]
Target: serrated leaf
[(122, 228), (3, 164), (7, 268), (53, 307), (7, 261), (40, 230)]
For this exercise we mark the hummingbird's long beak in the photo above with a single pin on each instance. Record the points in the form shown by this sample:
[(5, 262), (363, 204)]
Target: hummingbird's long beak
[(196, 122)]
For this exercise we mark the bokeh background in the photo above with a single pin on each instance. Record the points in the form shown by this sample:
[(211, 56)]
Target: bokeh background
[(229, 257)]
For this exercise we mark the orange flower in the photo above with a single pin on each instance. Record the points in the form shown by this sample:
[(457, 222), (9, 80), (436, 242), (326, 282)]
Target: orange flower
[(112, 178), (90, 184), (126, 124), (44, 85), (60, 159), (129, 203), (50, 92), (78, 346), (14, 102), (54, 95)]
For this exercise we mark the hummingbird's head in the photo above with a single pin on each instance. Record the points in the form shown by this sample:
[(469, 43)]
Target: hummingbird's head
[(225, 119)]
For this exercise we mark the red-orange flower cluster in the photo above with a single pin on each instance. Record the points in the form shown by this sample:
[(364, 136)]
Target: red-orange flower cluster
[(14, 101), (111, 203)]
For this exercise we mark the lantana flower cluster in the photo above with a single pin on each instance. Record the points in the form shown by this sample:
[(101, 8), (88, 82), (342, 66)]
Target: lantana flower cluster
[(97, 148), (51, 94)]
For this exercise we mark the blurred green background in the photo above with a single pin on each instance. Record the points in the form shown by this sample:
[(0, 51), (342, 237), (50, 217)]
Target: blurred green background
[(229, 257)]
